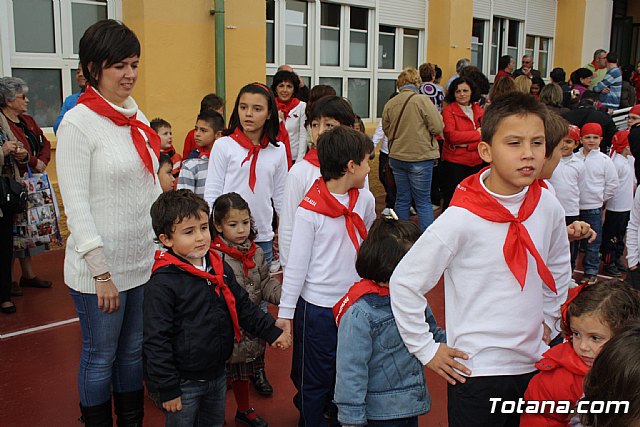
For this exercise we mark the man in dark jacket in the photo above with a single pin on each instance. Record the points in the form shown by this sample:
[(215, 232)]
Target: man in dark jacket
[(587, 113), (633, 123), (559, 77)]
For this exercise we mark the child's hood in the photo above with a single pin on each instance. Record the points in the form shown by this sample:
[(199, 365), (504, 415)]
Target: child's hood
[(562, 356)]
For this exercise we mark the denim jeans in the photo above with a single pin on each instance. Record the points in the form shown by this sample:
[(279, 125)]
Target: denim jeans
[(591, 260), (111, 356), (413, 180), (203, 404), (267, 248)]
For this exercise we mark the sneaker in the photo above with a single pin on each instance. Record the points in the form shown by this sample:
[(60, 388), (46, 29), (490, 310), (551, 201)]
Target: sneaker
[(243, 418), (573, 284), (275, 267), (620, 265), (412, 211), (588, 279), (386, 212), (611, 270)]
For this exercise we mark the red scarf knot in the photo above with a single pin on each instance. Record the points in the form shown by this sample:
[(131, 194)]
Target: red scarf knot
[(287, 106), (247, 258), (319, 199), (164, 259), (357, 291), (99, 105), (472, 196), (312, 157), (243, 140)]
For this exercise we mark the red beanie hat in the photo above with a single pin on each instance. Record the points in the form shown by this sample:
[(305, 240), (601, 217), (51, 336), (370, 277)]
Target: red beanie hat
[(635, 110), (591, 129), (620, 141), (574, 133)]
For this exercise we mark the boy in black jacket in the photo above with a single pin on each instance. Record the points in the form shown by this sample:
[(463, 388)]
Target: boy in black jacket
[(193, 308)]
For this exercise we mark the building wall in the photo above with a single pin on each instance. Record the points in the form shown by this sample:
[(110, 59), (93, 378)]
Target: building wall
[(570, 24), (597, 27)]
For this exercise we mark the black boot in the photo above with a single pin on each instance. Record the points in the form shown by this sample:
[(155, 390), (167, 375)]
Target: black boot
[(97, 416), (129, 408), (261, 383)]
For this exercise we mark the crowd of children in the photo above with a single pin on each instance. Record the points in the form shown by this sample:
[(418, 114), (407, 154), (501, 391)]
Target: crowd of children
[(352, 299)]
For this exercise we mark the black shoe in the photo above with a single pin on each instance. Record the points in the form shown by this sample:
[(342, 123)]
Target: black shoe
[(34, 282), (8, 309), (261, 383), (242, 417), (97, 416), (611, 270), (129, 408), (588, 279)]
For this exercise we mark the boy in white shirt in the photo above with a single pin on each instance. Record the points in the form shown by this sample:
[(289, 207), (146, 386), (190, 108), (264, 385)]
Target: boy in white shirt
[(503, 248), (329, 226), (619, 206), (565, 180), (598, 183)]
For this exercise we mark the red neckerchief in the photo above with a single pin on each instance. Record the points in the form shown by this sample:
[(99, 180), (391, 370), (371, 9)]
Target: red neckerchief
[(204, 153), (243, 140), (312, 157), (287, 106), (245, 257), (164, 259), (283, 136), (471, 195), (596, 66), (169, 151), (99, 105), (319, 199), (357, 291), (543, 183)]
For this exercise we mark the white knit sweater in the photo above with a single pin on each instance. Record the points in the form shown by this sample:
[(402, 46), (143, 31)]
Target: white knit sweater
[(107, 194)]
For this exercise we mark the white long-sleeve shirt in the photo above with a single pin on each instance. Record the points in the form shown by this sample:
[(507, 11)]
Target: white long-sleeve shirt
[(380, 137), (107, 193), (488, 315), (299, 180), (565, 181), (632, 241), (321, 265), (599, 180), (227, 174), (297, 132), (622, 201)]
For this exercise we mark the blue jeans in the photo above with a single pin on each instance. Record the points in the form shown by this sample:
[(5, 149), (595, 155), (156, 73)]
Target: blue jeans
[(591, 260), (267, 248), (111, 356), (413, 180), (203, 404)]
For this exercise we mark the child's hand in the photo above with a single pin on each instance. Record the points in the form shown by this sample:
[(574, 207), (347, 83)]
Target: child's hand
[(443, 364), (546, 334), (174, 405), (284, 324), (579, 230), (283, 342)]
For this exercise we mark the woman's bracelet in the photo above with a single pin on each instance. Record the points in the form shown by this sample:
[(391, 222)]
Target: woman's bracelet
[(103, 279)]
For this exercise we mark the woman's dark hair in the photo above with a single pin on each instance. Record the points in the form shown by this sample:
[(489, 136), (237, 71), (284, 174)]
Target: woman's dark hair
[(221, 208), (335, 107), (558, 75), (271, 126), (627, 71), (388, 241), (171, 207), (478, 77), (286, 76), (537, 80), (103, 44), (504, 62), (580, 73), (615, 377), (451, 92), (615, 302), (317, 92)]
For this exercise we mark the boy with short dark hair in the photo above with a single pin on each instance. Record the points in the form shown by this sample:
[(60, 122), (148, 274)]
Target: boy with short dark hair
[(503, 249), (193, 175), (598, 183), (166, 178), (329, 226), (193, 309), (210, 102), (163, 129), (327, 112)]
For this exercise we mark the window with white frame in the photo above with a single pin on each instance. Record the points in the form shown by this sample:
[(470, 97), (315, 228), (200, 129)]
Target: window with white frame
[(387, 47), (271, 31), (296, 32), (477, 43), (330, 18), (539, 49), (410, 43), (43, 38), (504, 40), (358, 37)]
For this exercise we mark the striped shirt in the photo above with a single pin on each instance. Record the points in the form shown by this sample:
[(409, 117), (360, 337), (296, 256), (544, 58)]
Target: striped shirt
[(613, 81), (193, 174)]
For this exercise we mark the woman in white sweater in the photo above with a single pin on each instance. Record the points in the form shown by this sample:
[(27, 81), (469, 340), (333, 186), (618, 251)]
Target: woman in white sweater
[(291, 111), (106, 162)]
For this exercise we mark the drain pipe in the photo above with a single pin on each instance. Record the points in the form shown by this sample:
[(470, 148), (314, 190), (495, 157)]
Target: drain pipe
[(218, 12)]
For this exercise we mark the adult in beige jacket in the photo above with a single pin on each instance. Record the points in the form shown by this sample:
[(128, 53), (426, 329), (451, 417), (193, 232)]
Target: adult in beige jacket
[(414, 148)]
